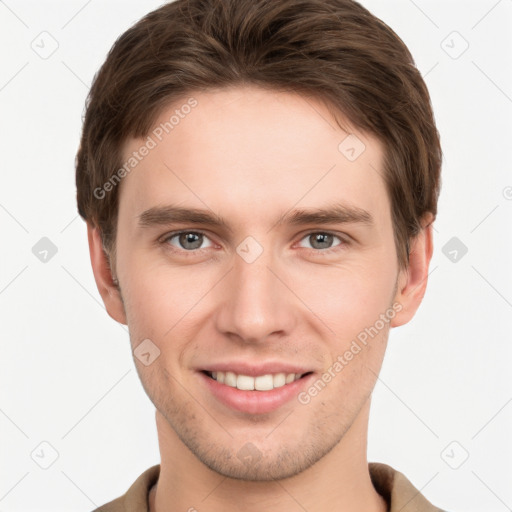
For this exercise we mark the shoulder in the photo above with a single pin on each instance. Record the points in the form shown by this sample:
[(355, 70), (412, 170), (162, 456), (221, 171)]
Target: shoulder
[(136, 497), (398, 491)]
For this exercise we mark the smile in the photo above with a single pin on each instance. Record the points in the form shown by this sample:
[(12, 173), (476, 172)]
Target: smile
[(259, 383)]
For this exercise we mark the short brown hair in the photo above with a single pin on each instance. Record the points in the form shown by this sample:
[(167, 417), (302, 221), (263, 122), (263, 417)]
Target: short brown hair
[(332, 50)]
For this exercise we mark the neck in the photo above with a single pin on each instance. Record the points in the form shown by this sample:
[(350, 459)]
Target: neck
[(340, 481)]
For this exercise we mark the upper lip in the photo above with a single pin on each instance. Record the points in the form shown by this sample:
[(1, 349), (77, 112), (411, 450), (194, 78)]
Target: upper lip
[(254, 370)]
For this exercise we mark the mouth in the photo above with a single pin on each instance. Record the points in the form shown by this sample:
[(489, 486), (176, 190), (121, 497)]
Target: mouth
[(266, 382), (254, 394)]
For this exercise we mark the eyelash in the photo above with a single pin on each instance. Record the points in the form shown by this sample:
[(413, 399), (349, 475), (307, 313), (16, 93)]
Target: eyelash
[(343, 242)]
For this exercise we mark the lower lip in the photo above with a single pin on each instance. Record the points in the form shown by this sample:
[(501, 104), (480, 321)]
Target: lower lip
[(255, 402)]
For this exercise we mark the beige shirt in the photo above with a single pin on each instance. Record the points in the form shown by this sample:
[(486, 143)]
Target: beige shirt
[(393, 486)]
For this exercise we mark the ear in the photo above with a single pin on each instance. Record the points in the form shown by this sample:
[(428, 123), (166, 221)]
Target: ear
[(412, 281), (103, 276)]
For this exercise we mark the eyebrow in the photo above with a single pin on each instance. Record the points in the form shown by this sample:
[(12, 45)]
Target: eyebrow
[(334, 214)]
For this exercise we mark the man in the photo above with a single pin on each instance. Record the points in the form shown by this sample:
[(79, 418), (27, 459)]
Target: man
[(259, 180)]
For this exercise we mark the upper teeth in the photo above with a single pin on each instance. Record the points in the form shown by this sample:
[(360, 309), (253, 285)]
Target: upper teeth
[(260, 383)]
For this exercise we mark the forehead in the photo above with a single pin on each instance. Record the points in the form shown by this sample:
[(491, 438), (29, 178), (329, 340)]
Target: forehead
[(249, 150)]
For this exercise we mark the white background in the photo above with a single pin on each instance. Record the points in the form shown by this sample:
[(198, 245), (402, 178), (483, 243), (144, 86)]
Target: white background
[(67, 374)]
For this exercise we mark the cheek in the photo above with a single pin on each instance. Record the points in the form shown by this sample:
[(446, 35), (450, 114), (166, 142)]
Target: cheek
[(348, 300), (162, 300)]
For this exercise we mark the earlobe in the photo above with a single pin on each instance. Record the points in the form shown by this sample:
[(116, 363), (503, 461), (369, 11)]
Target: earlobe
[(413, 280), (103, 276)]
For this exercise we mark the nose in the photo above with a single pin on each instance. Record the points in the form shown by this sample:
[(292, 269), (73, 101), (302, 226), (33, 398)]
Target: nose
[(255, 302)]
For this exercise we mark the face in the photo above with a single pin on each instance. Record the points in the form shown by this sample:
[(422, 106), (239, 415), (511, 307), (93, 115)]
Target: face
[(260, 284)]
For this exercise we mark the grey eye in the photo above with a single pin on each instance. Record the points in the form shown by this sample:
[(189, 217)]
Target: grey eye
[(188, 240), (321, 240)]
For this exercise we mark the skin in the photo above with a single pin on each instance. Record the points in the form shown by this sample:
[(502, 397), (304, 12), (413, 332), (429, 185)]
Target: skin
[(251, 155)]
